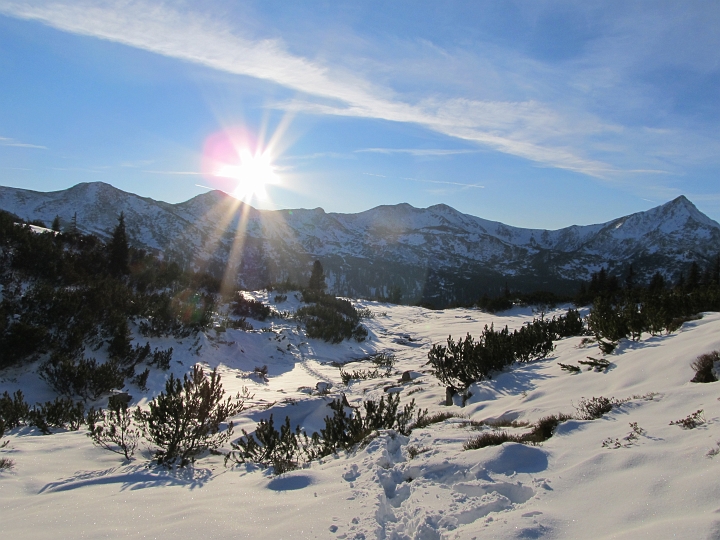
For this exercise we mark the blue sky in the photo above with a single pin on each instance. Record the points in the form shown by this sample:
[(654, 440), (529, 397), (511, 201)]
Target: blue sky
[(536, 114)]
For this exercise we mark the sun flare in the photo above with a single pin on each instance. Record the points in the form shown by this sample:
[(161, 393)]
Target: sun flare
[(253, 174)]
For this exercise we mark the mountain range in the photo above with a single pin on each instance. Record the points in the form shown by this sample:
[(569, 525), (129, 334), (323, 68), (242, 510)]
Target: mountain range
[(435, 255)]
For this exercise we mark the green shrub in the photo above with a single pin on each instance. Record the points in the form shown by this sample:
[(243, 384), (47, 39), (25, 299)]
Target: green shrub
[(330, 319), (161, 358), (82, 376), (61, 413), (244, 307), (362, 375), (544, 428), (288, 449), (595, 407), (284, 450), (186, 418), (114, 429), (461, 363), (703, 367), (344, 432), (14, 411), (491, 438), (426, 420)]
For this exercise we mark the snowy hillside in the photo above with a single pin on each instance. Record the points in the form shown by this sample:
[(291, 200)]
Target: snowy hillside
[(629, 474), (436, 255)]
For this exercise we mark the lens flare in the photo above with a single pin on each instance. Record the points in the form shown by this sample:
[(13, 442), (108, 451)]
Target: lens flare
[(236, 163), (252, 175)]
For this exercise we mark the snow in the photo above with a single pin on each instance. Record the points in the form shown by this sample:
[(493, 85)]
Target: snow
[(661, 484)]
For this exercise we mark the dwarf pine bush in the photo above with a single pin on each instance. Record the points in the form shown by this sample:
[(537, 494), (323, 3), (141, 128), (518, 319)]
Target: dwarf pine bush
[(329, 318), (284, 450), (703, 367), (287, 449), (61, 413), (114, 429), (186, 418), (594, 407), (461, 363)]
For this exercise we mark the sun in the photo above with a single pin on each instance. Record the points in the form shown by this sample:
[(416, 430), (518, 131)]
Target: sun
[(253, 174)]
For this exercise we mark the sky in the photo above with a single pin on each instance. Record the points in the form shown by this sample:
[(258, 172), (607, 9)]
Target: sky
[(536, 114)]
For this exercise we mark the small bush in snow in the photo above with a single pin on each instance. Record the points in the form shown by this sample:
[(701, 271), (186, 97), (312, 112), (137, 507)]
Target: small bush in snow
[(491, 438), (161, 358), (344, 432), (714, 451), (703, 367), (250, 308), (14, 411), (114, 429), (284, 450), (544, 428), (362, 375), (595, 363), (186, 418), (569, 368), (541, 431), (595, 407), (461, 363), (287, 449), (81, 376), (414, 451), (691, 421), (61, 413), (630, 439), (330, 319), (426, 420)]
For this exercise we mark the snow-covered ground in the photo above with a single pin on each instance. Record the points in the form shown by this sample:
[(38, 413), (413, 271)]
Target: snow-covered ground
[(660, 484)]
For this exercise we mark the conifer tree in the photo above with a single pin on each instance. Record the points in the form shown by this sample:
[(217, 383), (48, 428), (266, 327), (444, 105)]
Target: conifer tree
[(693, 277), (317, 278), (56, 224), (119, 251)]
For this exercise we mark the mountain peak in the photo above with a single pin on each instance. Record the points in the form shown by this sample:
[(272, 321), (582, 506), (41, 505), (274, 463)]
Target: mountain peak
[(681, 206)]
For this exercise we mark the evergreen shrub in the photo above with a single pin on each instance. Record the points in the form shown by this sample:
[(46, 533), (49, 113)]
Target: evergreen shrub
[(703, 367), (114, 429), (186, 419)]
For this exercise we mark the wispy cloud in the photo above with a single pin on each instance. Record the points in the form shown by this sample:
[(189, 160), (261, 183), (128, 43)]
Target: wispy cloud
[(417, 151), (517, 128), (7, 141), (176, 173), (459, 184)]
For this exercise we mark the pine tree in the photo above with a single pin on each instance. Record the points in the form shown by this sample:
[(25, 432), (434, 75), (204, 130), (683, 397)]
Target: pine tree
[(119, 251), (657, 283), (56, 224), (630, 278), (317, 278), (73, 230), (693, 277)]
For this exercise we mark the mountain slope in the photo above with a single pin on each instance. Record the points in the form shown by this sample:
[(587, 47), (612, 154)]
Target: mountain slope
[(435, 254)]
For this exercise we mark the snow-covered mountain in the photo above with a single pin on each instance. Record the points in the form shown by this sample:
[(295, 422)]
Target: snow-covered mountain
[(435, 254)]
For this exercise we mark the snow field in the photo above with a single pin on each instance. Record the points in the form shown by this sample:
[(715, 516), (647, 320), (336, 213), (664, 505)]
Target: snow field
[(658, 484)]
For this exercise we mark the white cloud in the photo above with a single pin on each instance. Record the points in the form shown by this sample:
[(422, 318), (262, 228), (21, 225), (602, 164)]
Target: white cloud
[(416, 151), (520, 129), (6, 141)]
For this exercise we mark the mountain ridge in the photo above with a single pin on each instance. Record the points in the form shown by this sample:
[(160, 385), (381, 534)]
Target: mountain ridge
[(435, 254)]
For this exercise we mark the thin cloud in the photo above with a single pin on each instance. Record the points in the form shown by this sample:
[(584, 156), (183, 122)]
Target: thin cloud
[(417, 151), (7, 141), (446, 183), (513, 128), (178, 173)]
